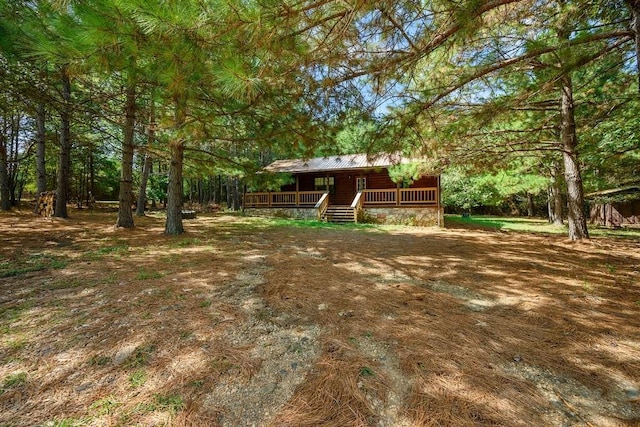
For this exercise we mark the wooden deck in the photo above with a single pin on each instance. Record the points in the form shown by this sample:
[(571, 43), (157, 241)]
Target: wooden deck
[(306, 199), (405, 197)]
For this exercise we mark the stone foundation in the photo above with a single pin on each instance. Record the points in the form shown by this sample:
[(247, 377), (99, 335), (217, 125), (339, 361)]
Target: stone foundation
[(423, 217), (296, 213), (418, 216)]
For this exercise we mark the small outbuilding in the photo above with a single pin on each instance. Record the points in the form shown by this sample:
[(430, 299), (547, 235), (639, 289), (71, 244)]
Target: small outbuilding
[(616, 207)]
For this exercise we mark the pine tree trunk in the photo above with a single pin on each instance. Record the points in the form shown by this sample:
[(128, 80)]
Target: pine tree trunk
[(174, 191), (218, 194), (144, 178), (530, 205), (575, 192), (236, 194), (92, 177), (12, 164), (555, 197), (174, 224), (5, 203), (125, 213), (64, 157), (147, 166), (41, 171), (634, 7)]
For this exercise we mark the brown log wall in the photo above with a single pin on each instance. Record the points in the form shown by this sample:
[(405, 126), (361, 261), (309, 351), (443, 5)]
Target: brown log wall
[(345, 183)]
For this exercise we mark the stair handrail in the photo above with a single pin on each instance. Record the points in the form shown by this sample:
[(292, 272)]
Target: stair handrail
[(322, 205), (356, 205)]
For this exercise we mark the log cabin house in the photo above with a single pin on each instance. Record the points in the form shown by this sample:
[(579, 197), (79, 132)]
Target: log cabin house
[(349, 188)]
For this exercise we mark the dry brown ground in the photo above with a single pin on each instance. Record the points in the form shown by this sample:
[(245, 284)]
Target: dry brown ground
[(244, 322)]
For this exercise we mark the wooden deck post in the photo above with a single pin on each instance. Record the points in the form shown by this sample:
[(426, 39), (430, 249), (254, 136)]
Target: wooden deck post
[(297, 191), (439, 220)]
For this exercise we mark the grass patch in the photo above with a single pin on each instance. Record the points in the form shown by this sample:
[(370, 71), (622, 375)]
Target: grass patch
[(146, 275), (116, 250), (140, 356), (33, 263), (144, 408), (12, 314), (13, 381), (529, 225), (65, 284), (105, 406), (366, 372), (161, 402), (66, 422), (169, 402), (184, 243), (247, 223), (138, 378), (17, 344), (308, 223), (99, 360)]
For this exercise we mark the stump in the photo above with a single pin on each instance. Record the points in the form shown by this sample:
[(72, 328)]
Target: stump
[(188, 214), (46, 204)]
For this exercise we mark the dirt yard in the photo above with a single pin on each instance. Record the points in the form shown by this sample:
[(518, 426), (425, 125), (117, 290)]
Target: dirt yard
[(246, 321)]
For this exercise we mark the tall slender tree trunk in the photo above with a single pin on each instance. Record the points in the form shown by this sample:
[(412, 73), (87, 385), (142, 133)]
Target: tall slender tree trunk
[(146, 167), (64, 157), (555, 196), (5, 203), (236, 194), (41, 171), (575, 192), (634, 7), (91, 194), (125, 213), (174, 224), (218, 195), (530, 205), (144, 178), (174, 191), (12, 163)]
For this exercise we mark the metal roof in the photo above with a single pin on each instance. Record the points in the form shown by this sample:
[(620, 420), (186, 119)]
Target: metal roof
[(629, 189), (614, 195), (336, 163)]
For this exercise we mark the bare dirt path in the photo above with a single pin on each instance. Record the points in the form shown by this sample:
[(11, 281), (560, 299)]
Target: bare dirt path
[(245, 321)]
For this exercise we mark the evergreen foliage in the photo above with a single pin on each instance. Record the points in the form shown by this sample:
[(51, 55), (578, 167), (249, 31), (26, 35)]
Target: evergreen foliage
[(497, 93)]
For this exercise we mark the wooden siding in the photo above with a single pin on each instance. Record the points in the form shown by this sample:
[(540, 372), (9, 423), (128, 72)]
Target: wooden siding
[(425, 181), (379, 180), (345, 183), (616, 214)]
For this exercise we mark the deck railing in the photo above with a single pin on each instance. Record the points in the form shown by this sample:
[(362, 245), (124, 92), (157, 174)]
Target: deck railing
[(322, 206), (380, 197), (368, 198), (401, 197), (356, 205), (282, 198)]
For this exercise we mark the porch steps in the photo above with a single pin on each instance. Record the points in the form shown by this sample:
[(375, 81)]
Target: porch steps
[(339, 214)]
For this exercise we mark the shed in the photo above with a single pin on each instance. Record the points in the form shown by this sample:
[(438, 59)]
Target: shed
[(616, 207)]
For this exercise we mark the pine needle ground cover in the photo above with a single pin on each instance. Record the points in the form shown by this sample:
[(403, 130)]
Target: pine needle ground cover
[(245, 321)]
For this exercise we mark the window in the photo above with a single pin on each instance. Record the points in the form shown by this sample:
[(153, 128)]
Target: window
[(320, 184), (361, 184)]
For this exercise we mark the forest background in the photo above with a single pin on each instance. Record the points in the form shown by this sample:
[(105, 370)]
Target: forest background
[(522, 105)]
